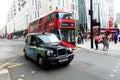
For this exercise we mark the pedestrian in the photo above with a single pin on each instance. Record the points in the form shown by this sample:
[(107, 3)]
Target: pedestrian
[(96, 40), (119, 37), (79, 39), (105, 43), (82, 38), (115, 38)]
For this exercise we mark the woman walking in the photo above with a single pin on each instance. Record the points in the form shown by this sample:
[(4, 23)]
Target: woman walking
[(96, 39), (105, 43)]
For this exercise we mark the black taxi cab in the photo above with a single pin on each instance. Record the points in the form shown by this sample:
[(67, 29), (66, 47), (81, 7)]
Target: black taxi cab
[(47, 49)]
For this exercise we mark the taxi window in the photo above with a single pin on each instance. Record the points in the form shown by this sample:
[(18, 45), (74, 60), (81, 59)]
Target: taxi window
[(32, 41), (28, 40), (39, 41)]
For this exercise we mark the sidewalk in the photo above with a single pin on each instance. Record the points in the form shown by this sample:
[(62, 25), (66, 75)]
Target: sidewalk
[(114, 49)]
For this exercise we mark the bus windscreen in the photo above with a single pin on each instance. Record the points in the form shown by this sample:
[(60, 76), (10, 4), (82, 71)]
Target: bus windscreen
[(65, 16)]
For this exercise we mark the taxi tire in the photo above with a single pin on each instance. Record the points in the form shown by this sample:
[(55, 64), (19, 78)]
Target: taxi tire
[(25, 55), (40, 61)]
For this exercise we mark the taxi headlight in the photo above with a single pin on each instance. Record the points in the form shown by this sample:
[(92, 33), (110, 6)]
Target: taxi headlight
[(49, 53), (70, 49)]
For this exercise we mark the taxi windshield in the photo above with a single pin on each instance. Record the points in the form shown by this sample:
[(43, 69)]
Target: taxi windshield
[(51, 38)]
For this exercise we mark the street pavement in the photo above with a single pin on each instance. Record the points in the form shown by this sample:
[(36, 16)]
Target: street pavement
[(114, 49), (85, 66)]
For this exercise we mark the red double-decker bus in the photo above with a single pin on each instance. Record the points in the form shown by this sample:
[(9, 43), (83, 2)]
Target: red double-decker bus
[(59, 22)]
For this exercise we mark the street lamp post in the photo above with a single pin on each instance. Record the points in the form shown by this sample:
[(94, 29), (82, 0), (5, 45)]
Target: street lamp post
[(99, 17), (14, 26), (27, 21), (91, 18)]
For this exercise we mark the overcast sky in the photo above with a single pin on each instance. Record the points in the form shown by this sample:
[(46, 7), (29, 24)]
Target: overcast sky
[(4, 8), (117, 6), (6, 4)]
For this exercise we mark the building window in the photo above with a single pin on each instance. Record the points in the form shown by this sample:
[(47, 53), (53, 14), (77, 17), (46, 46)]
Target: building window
[(38, 13), (19, 4), (50, 8), (23, 3), (39, 4), (35, 15), (72, 6), (56, 7), (76, 1), (33, 2), (58, 2), (14, 14), (63, 3), (72, 12), (36, 6), (19, 8), (72, 1), (75, 15), (75, 7)]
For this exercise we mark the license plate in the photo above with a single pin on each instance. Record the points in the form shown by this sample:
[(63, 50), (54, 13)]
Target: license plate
[(63, 60)]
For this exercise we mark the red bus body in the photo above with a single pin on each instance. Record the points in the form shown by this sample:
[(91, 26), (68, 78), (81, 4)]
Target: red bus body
[(59, 22)]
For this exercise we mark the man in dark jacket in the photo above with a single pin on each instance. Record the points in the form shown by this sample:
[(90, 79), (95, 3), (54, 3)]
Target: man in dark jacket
[(115, 38)]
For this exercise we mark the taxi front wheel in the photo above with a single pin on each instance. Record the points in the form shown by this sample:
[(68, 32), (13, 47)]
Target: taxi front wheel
[(40, 61), (25, 55)]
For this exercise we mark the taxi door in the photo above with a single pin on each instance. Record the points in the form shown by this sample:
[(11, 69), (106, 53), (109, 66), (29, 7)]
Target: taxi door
[(31, 48)]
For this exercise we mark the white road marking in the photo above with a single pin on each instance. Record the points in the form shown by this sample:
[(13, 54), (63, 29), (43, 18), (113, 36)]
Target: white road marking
[(117, 67), (118, 63), (33, 72), (15, 65), (114, 70), (22, 75), (20, 79), (112, 75), (3, 71), (7, 63)]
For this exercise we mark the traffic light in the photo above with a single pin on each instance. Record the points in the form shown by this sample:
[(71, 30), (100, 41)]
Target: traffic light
[(94, 20), (95, 23)]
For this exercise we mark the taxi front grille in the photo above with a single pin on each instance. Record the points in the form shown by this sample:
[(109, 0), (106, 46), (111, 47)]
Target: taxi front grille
[(61, 52)]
